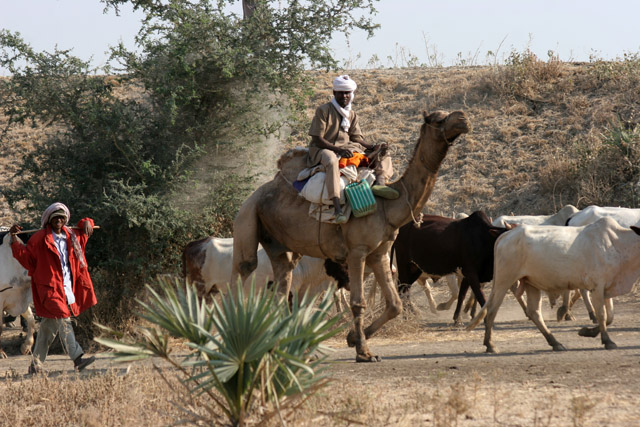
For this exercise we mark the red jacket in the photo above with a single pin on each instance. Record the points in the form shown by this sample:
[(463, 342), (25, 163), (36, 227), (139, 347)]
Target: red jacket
[(41, 260)]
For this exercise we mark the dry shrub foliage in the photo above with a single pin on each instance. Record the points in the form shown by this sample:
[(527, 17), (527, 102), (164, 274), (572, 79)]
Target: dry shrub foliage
[(545, 132)]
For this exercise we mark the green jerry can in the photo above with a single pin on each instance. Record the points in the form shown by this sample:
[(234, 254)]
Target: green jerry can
[(360, 198)]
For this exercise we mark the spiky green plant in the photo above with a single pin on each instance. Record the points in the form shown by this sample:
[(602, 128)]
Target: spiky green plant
[(249, 351)]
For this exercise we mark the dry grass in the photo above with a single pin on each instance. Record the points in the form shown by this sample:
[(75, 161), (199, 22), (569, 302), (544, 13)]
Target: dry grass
[(139, 397)]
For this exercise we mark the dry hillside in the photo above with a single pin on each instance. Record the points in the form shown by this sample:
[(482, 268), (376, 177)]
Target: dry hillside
[(536, 144)]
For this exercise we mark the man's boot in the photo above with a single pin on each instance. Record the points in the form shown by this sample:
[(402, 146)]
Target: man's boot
[(381, 190), (79, 363)]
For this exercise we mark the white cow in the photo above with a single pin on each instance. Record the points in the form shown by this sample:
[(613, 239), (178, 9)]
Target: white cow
[(15, 292), (626, 217), (559, 218), (208, 263), (602, 257)]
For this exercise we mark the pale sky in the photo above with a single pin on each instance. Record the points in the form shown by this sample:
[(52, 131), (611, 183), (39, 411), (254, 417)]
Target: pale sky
[(574, 29)]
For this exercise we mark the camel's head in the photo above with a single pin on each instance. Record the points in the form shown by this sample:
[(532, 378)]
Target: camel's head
[(441, 125)]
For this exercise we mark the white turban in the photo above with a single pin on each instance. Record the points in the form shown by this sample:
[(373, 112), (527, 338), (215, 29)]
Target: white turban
[(344, 84), (46, 216)]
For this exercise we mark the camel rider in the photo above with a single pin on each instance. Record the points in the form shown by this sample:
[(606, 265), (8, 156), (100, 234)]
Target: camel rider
[(335, 133)]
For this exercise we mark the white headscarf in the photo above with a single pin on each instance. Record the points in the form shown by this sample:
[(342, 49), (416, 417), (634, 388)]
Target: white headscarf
[(46, 216), (344, 84)]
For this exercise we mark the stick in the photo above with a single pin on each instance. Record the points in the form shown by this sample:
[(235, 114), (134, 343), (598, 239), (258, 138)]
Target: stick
[(95, 227)]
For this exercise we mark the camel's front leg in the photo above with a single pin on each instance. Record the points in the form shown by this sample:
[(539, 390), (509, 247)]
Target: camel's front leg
[(356, 337), (379, 263)]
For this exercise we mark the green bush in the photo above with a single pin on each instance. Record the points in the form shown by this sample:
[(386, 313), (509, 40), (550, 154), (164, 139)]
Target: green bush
[(121, 148), (248, 351)]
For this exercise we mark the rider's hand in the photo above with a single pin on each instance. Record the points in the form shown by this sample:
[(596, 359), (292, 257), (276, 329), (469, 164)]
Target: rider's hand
[(343, 152)]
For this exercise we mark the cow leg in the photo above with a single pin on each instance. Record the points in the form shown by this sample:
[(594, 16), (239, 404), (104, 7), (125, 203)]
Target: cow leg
[(452, 282), (493, 304), (609, 306), (356, 337), (518, 290), (599, 305), (564, 312), (408, 273), (534, 303), (586, 297), (26, 346), (424, 282), (468, 281)]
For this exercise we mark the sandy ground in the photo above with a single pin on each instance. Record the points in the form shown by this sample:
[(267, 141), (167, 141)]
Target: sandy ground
[(438, 374)]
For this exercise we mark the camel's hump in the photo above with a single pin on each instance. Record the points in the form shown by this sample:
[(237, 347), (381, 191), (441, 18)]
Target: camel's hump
[(292, 162)]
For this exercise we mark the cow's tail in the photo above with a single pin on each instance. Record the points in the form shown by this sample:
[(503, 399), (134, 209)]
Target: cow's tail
[(245, 240), (479, 318)]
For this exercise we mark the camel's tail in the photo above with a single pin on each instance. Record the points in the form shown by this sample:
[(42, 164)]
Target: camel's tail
[(245, 240), (479, 317)]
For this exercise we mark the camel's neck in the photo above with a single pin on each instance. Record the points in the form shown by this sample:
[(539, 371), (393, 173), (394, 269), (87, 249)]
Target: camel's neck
[(417, 183)]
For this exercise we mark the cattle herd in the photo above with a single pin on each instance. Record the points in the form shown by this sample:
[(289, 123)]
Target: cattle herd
[(593, 251)]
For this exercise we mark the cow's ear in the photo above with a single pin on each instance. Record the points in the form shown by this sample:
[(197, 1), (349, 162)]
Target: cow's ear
[(636, 229)]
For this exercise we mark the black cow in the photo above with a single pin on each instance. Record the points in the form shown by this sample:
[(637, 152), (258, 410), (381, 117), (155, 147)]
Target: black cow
[(443, 246)]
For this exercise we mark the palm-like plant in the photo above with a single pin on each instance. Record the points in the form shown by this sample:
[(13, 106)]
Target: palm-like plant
[(247, 350)]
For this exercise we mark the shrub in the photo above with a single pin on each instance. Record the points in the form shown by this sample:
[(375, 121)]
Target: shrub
[(261, 353)]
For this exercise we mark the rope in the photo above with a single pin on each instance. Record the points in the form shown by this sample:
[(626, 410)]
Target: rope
[(416, 222)]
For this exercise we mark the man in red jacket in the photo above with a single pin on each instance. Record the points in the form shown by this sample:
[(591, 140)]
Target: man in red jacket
[(60, 281)]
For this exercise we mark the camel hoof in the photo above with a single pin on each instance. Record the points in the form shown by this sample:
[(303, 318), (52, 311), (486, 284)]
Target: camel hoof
[(569, 317), (593, 318), (3, 355), (25, 349), (589, 332), (361, 358), (559, 347), (610, 345), (492, 350), (458, 323)]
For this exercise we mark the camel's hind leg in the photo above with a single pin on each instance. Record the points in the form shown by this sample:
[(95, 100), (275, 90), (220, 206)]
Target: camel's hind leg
[(282, 262)]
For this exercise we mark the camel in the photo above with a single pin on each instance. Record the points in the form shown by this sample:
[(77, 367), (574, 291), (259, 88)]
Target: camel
[(277, 218)]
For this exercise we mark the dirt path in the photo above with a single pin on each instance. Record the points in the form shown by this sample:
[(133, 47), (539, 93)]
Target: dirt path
[(435, 374), (425, 378)]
